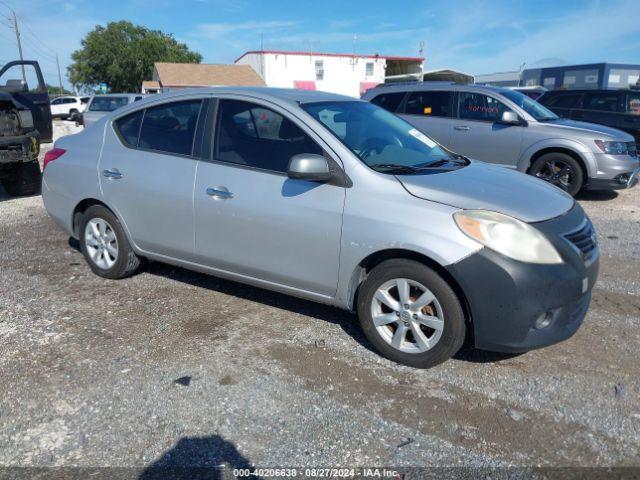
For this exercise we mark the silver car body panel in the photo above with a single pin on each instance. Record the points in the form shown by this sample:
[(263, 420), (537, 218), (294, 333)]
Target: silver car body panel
[(514, 146), (301, 238)]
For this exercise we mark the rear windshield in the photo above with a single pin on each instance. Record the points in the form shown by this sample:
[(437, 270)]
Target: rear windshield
[(107, 104)]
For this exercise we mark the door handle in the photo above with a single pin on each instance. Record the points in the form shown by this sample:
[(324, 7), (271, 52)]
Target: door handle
[(462, 128), (219, 193), (114, 174)]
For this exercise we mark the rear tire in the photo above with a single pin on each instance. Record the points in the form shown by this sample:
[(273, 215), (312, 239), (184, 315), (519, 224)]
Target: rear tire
[(423, 332), (24, 179), (104, 244), (560, 170)]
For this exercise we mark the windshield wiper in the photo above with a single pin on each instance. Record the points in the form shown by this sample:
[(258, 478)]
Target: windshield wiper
[(395, 166)]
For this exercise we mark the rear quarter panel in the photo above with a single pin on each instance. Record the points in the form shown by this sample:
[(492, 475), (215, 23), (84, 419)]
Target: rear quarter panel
[(74, 176)]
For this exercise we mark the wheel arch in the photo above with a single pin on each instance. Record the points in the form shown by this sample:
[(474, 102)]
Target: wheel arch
[(374, 259), (567, 151)]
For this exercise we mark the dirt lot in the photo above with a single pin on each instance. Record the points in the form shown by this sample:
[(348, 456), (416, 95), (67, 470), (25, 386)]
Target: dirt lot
[(173, 368)]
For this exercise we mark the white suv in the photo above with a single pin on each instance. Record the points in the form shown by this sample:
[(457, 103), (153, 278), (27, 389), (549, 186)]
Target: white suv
[(67, 107)]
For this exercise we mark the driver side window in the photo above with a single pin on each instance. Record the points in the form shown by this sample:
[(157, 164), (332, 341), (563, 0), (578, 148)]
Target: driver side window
[(21, 78), (479, 107)]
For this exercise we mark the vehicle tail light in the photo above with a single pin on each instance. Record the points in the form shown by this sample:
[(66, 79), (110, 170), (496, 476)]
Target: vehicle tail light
[(52, 155)]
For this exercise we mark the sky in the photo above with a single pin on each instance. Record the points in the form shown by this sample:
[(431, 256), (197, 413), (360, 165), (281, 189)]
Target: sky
[(475, 37)]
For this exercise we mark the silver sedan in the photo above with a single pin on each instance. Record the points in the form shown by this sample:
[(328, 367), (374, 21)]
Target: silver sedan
[(334, 200)]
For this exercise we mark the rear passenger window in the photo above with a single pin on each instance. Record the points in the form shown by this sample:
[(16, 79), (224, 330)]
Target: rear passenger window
[(432, 104), (563, 101), (249, 134), (605, 102), (388, 101), (476, 106), (170, 127), (129, 128)]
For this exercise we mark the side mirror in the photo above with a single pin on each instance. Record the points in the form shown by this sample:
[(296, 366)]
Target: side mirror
[(307, 166), (509, 118)]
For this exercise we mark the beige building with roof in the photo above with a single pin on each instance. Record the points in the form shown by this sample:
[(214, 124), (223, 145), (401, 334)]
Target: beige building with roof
[(171, 76)]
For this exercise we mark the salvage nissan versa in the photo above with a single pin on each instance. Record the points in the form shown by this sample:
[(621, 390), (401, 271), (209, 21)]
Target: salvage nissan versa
[(334, 200)]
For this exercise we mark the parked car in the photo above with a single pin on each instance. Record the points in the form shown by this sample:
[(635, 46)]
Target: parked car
[(615, 108), (534, 92), (25, 123), (334, 200), (67, 107), (100, 105), (505, 127)]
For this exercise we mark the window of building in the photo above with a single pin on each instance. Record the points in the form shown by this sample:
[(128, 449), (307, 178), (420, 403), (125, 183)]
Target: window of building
[(388, 101), (129, 127), (433, 104), (476, 106), (249, 134), (170, 127), (604, 102), (369, 69), (549, 82), (319, 70)]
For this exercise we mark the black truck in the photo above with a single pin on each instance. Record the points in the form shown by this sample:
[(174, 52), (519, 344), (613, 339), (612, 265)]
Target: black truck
[(25, 123)]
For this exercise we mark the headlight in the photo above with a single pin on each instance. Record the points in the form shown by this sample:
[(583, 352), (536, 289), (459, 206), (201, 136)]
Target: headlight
[(26, 119), (507, 236), (613, 148)]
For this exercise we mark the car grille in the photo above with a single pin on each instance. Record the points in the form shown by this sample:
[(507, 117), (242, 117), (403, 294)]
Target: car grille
[(632, 149), (584, 240)]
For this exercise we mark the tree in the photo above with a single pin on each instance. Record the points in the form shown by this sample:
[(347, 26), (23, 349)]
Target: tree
[(122, 55), (55, 91)]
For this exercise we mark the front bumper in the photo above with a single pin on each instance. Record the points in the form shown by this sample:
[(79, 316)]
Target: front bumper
[(614, 172), (506, 296)]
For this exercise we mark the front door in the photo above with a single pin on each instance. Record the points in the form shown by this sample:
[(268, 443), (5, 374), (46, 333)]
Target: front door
[(478, 134), (250, 218), (24, 80), (147, 170)]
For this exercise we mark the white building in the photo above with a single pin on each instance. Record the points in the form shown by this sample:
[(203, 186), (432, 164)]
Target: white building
[(342, 73)]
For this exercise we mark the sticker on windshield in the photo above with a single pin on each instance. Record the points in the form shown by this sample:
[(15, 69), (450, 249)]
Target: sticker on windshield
[(422, 137)]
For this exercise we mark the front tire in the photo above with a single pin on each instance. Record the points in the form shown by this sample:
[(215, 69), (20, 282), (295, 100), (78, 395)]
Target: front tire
[(411, 314), (560, 170), (104, 244)]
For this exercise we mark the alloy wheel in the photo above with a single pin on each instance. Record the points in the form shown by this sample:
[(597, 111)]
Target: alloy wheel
[(407, 315), (101, 242), (557, 173)]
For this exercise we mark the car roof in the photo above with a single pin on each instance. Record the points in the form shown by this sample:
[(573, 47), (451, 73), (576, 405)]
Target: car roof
[(446, 86), (128, 95), (291, 96)]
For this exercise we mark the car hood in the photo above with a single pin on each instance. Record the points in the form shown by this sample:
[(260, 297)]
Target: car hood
[(483, 186), (594, 129)]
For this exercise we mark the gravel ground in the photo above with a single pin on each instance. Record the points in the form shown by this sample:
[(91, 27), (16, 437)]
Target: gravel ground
[(174, 368)]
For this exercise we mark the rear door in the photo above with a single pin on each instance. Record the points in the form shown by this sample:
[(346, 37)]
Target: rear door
[(24, 80), (477, 133), (250, 218), (147, 169), (430, 111)]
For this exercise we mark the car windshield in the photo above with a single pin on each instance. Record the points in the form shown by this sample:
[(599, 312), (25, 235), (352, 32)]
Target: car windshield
[(532, 107), (107, 104), (383, 141)]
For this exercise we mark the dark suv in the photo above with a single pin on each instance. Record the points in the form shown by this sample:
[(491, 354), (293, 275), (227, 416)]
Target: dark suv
[(615, 108)]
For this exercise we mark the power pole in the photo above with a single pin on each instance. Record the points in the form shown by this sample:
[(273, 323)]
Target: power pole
[(15, 26), (59, 76)]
